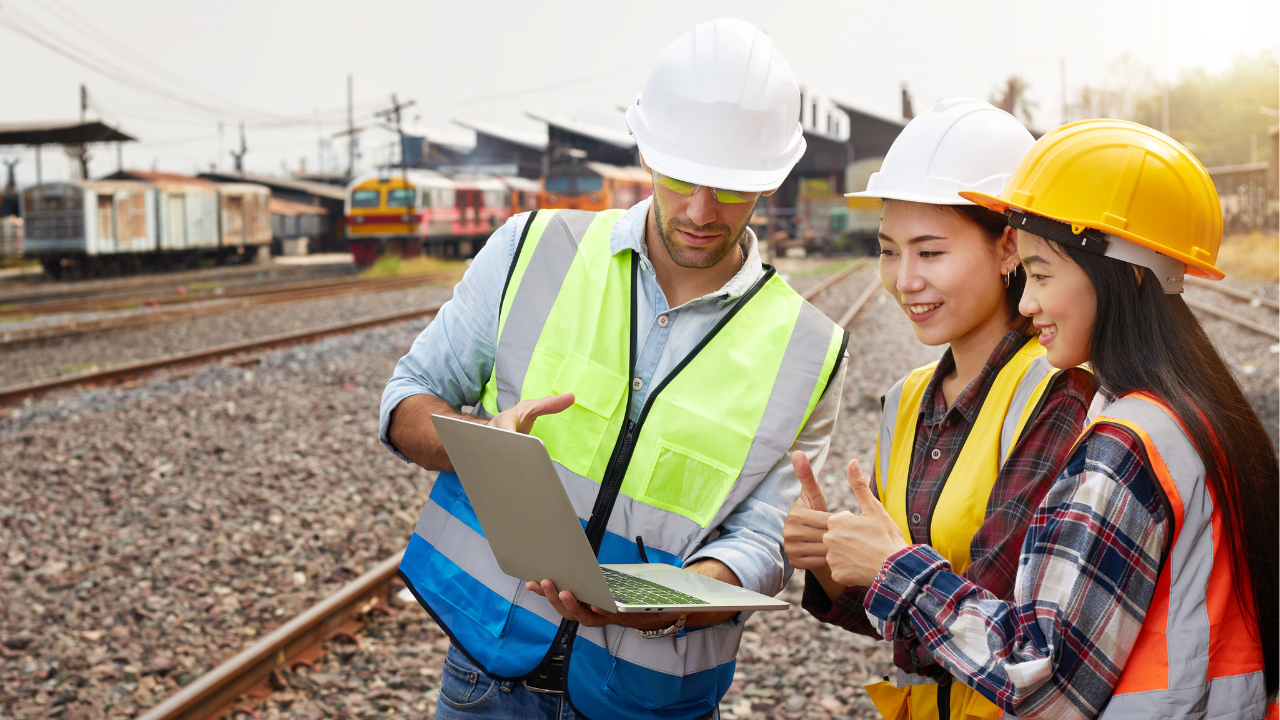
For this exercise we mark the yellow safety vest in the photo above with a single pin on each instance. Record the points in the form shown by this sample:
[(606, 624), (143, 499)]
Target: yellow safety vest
[(1013, 400)]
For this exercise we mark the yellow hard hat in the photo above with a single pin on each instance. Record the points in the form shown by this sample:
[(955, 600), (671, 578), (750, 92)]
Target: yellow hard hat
[(1123, 179)]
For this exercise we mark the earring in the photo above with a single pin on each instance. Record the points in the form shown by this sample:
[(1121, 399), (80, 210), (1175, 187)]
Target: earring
[(1009, 277)]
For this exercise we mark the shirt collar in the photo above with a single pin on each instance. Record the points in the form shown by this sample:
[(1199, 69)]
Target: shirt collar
[(934, 406), (628, 234)]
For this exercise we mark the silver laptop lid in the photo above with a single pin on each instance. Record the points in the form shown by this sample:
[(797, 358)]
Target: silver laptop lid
[(526, 515)]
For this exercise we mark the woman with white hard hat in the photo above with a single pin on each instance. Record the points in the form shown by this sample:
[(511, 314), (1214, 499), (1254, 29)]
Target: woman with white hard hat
[(1147, 586), (967, 445)]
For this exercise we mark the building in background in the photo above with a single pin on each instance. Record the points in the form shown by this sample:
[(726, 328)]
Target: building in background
[(330, 237)]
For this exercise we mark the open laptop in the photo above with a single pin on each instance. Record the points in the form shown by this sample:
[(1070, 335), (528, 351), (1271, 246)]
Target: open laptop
[(535, 533)]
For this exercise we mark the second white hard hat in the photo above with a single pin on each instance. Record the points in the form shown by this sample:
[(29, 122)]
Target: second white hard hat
[(959, 144), (721, 108)]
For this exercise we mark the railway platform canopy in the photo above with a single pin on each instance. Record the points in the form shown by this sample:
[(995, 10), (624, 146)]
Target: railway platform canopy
[(69, 133)]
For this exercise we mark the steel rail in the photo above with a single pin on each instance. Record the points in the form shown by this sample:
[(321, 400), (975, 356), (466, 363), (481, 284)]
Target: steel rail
[(124, 301), (73, 328), (127, 371), (1228, 290), (1270, 331), (857, 305), (816, 290), (216, 692)]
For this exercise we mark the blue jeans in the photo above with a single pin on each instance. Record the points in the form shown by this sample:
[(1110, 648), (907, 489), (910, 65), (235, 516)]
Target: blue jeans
[(467, 692)]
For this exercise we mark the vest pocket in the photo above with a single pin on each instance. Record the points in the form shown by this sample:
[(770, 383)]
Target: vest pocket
[(574, 436), (687, 483)]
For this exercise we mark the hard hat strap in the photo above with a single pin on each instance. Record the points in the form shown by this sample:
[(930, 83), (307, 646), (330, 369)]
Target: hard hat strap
[(1168, 271), (1088, 239)]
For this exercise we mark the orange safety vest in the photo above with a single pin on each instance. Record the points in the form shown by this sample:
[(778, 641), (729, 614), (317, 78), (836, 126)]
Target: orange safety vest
[(1197, 654)]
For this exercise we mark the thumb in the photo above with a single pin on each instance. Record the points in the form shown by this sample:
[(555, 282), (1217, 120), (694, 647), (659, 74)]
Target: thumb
[(530, 410), (810, 493), (858, 484)]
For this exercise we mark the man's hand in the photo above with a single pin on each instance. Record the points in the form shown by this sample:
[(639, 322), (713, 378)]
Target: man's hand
[(412, 433), (859, 545), (590, 616), (806, 524), (520, 416)]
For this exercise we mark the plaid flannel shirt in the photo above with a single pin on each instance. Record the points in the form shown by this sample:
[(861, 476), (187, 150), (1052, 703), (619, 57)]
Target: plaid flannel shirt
[(1021, 484), (1087, 576)]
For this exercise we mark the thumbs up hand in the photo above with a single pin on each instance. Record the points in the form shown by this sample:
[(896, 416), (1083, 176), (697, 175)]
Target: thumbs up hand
[(807, 521), (858, 545)]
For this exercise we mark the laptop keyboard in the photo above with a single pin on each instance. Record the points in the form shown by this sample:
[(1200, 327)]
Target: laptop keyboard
[(631, 590)]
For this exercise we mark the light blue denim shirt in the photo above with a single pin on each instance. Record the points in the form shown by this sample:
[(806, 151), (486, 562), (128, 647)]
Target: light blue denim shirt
[(453, 357)]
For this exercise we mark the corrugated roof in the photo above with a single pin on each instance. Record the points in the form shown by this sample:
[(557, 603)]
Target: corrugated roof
[(290, 208), (163, 180), (612, 137), (629, 173), (320, 189), (72, 132), (530, 140)]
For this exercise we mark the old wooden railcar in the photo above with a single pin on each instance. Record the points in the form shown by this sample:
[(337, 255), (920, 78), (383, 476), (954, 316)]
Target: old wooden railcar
[(101, 226)]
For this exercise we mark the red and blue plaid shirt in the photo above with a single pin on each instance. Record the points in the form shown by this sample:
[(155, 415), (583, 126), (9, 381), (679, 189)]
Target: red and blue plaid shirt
[(1022, 482), (1088, 573)]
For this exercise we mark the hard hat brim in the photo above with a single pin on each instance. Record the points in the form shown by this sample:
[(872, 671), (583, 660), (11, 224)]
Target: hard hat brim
[(718, 177), (1195, 267), (910, 197)]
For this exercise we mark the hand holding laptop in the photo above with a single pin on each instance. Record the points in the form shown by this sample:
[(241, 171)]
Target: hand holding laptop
[(591, 616)]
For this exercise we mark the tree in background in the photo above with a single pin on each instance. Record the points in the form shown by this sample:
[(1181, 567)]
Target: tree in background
[(1217, 117), (1014, 99)]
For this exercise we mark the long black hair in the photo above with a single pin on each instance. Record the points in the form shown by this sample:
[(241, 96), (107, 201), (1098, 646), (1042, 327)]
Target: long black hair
[(1145, 340)]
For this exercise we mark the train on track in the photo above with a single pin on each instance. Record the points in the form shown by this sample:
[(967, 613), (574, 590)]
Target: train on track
[(132, 221), (412, 211)]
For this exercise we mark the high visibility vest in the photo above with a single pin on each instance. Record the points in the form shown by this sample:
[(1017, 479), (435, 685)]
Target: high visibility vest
[(1016, 395), (707, 436), (1197, 654)]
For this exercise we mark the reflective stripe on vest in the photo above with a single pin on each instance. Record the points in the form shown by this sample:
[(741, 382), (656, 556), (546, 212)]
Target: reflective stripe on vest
[(1196, 654), (696, 454), (1015, 395)]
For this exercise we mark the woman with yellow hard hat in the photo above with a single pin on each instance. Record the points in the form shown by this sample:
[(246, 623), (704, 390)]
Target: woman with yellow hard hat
[(1147, 586), (968, 445)]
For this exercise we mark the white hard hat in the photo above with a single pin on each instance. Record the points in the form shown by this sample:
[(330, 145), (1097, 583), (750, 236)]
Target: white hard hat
[(721, 108), (959, 144)]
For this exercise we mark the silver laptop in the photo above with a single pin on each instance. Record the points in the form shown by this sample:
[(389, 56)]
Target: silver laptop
[(535, 533)]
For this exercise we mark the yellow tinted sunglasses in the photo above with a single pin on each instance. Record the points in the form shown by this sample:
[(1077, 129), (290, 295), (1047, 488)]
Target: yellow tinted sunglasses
[(680, 187)]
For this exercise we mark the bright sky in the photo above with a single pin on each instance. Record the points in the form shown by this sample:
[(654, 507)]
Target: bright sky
[(282, 66)]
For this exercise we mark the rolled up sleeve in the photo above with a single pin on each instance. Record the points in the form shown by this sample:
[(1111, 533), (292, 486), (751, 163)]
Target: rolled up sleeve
[(750, 541), (452, 357)]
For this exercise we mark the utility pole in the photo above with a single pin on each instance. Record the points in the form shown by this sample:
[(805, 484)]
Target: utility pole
[(83, 150), (394, 113), (239, 156), (1062, 80), (351, 134), (1164, 43)]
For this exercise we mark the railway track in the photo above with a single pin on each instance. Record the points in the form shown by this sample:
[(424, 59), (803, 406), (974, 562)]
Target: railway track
[(237, 684), (236, 352), (243, 275), (1272, 330), (250, 673), (226, 302), (124, 301)]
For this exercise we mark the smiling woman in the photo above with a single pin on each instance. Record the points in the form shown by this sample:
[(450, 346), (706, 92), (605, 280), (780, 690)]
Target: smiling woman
[(1147, 585), (967, 445)]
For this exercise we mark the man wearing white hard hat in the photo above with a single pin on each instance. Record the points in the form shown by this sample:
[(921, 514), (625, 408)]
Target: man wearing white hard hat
[(671, 375)]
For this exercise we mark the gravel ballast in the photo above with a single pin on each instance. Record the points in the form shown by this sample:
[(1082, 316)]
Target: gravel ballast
[(149, 533)]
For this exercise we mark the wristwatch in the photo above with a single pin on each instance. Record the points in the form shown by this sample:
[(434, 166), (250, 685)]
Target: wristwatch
[(672, 629)]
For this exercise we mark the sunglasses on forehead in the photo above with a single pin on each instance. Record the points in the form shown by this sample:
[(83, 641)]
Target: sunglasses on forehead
[(680, 187)]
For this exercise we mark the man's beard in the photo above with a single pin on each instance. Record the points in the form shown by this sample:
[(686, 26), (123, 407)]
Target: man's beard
[(686, 258)]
